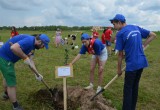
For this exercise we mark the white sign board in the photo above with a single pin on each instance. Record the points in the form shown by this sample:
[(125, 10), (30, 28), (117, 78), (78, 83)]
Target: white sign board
[(1, 43), (64, 71)]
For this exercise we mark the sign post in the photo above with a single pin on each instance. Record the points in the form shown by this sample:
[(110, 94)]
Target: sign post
[(64, 72)]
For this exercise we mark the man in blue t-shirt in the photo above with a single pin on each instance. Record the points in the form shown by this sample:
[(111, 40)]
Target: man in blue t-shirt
[(99, 55), (129, 39), (19, 47)]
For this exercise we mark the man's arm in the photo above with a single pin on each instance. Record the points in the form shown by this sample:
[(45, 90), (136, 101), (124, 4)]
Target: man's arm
[(33, 68), (18, 51), (120, 58), (151, 36)]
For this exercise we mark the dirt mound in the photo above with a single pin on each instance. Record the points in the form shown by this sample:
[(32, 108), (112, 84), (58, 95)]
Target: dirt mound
[(77, 98)]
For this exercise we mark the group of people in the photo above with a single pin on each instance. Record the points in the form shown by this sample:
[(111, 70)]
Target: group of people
[(128, 39), (70, 40), (107, 39)]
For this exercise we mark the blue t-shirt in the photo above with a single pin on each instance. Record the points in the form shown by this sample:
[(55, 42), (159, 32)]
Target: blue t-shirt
[(26, 43), (97, 47), (129, 39)]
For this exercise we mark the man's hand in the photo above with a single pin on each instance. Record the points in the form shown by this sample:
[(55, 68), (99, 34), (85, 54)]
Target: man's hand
[(39, 77), (119, 72)]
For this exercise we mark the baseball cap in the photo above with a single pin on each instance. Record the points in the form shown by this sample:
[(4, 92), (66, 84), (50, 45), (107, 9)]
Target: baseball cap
[(45, 39), (85, 36), (118, 17)]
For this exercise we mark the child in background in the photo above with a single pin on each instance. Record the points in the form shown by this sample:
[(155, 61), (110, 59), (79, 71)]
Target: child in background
[(58, 37), (95, 34), (13, 32)]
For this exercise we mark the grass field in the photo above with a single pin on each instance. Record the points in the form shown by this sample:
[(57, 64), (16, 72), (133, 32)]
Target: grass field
[(46, 60)]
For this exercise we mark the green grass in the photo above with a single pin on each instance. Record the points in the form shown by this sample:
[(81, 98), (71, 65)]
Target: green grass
[(46, 60)]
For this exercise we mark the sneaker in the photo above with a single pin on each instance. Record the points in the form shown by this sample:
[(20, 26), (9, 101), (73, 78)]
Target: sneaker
[(18, 108), (89, 87), (5, 96), (98, 89), (113, 50)]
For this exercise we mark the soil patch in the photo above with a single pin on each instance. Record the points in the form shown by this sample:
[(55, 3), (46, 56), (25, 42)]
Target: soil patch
[(77, 98)]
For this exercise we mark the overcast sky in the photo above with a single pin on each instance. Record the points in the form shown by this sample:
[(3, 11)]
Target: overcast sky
[(145, 13)]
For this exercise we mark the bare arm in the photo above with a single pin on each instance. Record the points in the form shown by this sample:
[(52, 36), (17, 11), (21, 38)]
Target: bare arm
[(18, 51), (33, 64), (151, 36), (120, 58), (75, 59)]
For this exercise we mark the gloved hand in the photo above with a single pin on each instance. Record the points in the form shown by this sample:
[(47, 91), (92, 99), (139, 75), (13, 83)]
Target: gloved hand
[(28, 62), (39, 77)]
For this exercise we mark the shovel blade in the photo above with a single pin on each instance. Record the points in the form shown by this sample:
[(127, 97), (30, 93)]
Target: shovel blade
[(97, 94)]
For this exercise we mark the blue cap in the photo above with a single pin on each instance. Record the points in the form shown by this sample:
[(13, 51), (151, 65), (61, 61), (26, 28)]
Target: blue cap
[(85, 36), (119, 17), (45, 39)]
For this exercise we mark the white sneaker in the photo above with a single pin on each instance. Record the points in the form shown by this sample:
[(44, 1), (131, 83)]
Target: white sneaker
[(98, 89), (89, 87)]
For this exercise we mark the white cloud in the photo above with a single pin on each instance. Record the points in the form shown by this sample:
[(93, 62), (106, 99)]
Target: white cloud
[(35, 20), (79, 13)]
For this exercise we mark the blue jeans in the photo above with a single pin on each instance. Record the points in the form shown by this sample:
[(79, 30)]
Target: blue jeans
[(130, 90)]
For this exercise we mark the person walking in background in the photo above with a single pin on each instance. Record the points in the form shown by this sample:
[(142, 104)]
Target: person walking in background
[(58, 37), (16, 48), (108, 34), (13, 32), (103, 38), (129, 39), (99, 51)]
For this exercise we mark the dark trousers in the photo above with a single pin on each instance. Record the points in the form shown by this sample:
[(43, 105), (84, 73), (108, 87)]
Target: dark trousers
[(130, 90)]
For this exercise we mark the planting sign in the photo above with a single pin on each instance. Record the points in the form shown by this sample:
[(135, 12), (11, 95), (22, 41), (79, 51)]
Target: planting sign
[(1, 43), (63, 71)]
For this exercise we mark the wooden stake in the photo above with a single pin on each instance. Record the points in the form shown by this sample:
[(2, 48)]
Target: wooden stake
[(65, 93)]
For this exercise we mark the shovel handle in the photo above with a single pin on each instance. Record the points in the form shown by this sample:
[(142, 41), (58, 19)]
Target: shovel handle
[(110, 82), (37, 74), (105, 87)]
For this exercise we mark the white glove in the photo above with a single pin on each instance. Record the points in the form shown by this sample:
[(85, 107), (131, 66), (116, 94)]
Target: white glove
[(39, 77), (28, 62)]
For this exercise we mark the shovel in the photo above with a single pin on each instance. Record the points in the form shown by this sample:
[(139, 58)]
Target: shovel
[(37, 74), (105, 87)]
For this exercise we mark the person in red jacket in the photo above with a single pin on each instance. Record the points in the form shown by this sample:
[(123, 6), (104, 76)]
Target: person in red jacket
[(13, 32), (103, 38), (108, 34)]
